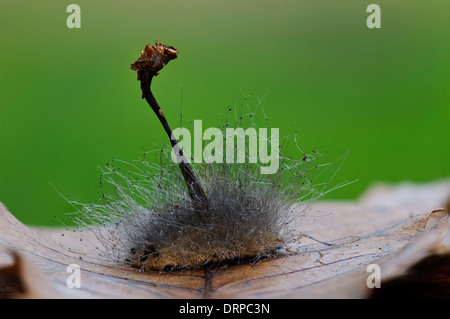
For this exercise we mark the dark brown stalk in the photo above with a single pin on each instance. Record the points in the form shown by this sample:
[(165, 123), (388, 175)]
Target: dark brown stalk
[(152, 60)]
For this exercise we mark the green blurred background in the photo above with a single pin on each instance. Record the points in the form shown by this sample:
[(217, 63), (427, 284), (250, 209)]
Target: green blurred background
[(69, 102)]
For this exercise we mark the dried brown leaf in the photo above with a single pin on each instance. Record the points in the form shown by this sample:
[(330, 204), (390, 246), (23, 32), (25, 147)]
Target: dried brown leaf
[(402, 229)]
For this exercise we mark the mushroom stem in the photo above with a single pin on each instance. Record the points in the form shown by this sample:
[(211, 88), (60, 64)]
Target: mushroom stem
[(195, 189), (152, 60)]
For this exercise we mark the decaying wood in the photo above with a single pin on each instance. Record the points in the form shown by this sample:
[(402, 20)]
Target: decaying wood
[(404, 229)]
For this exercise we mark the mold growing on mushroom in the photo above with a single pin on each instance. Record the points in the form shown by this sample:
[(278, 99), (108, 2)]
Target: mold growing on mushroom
[(183, 215)]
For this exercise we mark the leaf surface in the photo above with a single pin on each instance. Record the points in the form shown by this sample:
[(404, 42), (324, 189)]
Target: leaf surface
[(395, 227)]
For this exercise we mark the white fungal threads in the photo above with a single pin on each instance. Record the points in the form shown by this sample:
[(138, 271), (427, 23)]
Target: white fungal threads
[(146, 217), (213, 152)]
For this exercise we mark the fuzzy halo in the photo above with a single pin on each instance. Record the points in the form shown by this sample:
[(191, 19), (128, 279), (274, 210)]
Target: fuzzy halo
[(145, 216)]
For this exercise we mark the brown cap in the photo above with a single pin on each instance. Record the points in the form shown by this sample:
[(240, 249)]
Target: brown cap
[(154, 58)]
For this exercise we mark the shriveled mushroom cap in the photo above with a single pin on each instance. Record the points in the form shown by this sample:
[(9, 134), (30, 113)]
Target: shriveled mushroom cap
[(154, 58)]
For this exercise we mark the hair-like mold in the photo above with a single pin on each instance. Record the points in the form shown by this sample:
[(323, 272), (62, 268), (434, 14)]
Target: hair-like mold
[(181, 215), (146, 218)]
